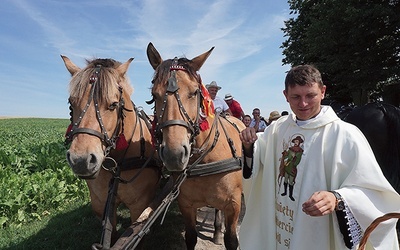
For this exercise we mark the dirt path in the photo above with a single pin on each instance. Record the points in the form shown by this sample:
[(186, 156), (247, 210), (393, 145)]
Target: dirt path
[(205, 227)]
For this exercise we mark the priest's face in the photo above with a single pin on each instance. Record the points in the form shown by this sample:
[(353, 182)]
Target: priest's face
[(305, 101)]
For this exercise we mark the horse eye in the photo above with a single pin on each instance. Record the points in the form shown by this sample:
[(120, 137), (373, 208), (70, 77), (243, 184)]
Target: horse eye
[(193, 94), (113, 106)]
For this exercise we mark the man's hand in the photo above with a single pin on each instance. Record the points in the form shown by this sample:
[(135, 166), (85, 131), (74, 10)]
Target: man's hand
[(248, 137), (320, 203)]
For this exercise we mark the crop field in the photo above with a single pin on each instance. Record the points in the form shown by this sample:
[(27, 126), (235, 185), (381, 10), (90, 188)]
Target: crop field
[(43, 205), (34, 173), (35, 180)]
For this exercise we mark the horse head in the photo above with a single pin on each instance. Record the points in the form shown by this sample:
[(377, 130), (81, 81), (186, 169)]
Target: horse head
[(178, 97), (97, 96)]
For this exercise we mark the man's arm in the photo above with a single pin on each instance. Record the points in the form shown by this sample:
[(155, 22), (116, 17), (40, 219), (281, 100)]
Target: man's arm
[(248, 136)]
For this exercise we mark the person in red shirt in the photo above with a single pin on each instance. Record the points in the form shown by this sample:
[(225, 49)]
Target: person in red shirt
[(234, 106)]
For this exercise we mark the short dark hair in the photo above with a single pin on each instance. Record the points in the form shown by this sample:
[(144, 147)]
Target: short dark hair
[(303, 75)]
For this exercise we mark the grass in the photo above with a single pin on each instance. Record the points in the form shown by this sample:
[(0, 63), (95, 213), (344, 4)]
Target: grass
[(44, 206), (77, 228)]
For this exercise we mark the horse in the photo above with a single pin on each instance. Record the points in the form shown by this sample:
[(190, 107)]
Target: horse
[(380, 123), (192, 141), (109, 141)]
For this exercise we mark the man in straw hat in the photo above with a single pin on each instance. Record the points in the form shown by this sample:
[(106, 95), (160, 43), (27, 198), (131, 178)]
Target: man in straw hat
[(234, 106), (219, 104), (273, 116), (339, 186)]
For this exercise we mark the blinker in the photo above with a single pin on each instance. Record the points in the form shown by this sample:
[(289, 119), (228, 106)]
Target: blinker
[(172, 83)]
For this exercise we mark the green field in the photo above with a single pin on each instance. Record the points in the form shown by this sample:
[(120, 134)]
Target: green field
[(43, 205)]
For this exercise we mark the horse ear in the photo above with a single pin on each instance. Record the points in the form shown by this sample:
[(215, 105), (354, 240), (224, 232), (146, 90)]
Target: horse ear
[(198, 61), (123, 68), (71, 67), (153, 56)]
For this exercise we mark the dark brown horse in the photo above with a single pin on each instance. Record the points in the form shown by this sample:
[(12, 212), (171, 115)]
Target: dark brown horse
[(192, 141), (380, 123), (109, 141)]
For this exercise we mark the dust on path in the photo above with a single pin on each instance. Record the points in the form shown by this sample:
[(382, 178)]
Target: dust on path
[(205, 228)]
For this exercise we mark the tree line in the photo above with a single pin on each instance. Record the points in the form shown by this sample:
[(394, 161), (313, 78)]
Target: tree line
[(354, 43)]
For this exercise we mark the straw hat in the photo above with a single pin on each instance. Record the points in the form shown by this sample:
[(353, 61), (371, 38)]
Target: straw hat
[(274, 115), (213, 84), (228, 97)]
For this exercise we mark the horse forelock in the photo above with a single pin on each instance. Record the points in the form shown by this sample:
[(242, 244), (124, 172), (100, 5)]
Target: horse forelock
[(162, 73), (107, 84)]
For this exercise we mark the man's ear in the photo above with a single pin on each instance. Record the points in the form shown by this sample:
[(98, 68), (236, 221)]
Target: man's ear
[(285, 94), (323, 90)]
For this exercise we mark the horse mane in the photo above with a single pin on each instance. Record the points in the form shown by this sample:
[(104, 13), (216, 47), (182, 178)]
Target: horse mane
[(392, 158), (161, 74), (107, 84)]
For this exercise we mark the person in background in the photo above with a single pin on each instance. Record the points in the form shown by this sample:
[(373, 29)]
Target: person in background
[(333, 187), (284, 113), (247, 120), (273, 116), (234, 106), (219, 104), (257, 122)]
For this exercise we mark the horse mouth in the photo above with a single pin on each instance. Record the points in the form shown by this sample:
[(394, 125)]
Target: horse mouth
[(174, 160), (85, 166), (89, 177)]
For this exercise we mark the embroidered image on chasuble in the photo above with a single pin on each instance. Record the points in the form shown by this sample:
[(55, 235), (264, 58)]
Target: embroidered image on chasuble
[(288, 164), (291, 157)]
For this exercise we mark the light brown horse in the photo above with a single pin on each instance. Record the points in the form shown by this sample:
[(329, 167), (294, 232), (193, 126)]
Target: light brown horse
[(193, 141), (108, 138)]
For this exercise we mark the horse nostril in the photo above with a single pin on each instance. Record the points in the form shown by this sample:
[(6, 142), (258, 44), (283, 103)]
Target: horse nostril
[(93, 159), (161, 150), (186, 150)]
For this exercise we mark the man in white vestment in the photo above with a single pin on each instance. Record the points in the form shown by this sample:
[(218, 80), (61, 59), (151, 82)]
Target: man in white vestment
[(315, 183)]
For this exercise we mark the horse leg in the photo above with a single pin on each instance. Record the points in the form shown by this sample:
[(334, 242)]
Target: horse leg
[(189, 216), (98, 200), (231, 221), (218, 227)]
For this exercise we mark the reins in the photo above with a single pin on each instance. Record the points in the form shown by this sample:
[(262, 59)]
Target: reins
[(193, 126), (103, 135), (110, 164), (173, 88)]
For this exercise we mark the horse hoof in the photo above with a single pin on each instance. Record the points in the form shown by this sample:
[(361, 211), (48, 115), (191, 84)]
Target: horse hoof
[(218, 241)]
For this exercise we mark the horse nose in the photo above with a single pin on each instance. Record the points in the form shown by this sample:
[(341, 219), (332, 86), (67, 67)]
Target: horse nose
[(175, 159), (83, 165)]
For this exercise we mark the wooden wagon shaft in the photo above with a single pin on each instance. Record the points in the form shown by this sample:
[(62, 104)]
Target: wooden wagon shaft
[(132, 235)]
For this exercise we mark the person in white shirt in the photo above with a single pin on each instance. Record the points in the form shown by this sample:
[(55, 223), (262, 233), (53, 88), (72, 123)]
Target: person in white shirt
[(219, 104), (312, 179), (257, 122)]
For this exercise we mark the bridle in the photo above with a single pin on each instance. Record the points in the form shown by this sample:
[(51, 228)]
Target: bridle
[(110, 142), (187, 122)]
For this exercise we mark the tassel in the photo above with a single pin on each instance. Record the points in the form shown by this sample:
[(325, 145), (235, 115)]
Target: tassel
[(68, 130), (121, 142), (208, 104), (204, 125)]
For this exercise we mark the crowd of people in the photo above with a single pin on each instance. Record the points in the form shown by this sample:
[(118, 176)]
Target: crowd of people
[(232, 107)]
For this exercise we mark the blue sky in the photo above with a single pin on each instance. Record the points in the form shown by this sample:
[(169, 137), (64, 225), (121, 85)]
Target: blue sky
[(246, 61)]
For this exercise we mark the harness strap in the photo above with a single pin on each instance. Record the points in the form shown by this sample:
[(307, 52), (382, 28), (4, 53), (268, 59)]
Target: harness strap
[(88, 131), (231, 164), (137, 162), (231, 145), (175, 122)]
